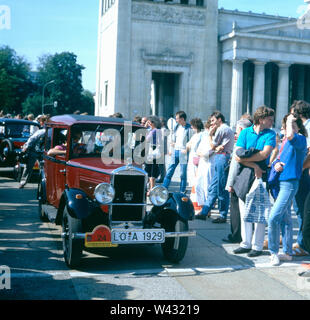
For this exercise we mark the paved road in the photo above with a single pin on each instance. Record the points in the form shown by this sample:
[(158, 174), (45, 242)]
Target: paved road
[(32, 251)]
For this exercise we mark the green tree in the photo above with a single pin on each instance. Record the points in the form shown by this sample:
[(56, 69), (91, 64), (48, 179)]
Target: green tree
[(87, 103), (33, 104), (67, 86), (15, 80)]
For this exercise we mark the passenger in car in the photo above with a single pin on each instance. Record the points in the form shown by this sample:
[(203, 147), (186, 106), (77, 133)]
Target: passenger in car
[(57, 150), (77, 147), (61, 149)]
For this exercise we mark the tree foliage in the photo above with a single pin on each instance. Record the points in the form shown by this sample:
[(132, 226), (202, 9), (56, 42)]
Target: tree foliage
[(58, 78), (15, 80), (67, 75)]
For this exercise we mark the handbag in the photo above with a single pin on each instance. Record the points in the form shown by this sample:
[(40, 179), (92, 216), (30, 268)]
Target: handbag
[(273, 180), (257, 203), (196, 161)]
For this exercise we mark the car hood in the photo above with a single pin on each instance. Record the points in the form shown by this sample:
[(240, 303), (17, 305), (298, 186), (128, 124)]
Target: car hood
[(96, 164)]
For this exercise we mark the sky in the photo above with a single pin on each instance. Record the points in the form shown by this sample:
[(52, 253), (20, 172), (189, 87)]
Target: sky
[(40, 27)]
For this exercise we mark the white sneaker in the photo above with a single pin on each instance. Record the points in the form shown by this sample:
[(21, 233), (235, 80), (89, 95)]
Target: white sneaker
[(274, 260), (285, 257)]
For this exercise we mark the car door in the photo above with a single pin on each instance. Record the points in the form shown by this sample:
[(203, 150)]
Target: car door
[(55, 170)]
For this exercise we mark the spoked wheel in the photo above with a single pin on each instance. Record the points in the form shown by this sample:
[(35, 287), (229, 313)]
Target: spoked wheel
[(72, 248), (174, 249)]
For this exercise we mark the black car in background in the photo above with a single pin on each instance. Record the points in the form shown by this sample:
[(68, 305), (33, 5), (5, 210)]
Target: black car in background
[(13, 135)]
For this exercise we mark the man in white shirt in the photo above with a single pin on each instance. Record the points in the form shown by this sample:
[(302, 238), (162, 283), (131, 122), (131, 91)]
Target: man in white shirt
[(182, 134)]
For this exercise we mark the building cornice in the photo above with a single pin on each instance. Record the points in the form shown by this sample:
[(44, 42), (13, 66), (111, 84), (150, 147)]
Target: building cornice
[(235, 34), (253, 14)]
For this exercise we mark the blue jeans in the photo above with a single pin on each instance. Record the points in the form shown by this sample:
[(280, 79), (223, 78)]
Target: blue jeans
[(177, 157), (217, 186), (299, 204), (281, 214)]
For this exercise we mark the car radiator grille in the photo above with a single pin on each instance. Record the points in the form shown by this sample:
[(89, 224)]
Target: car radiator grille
[(128, 189)]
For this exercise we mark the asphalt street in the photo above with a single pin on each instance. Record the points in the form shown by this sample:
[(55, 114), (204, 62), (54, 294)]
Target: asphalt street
[(32, 250)]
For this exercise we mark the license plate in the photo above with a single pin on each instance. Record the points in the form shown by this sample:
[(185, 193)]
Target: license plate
[(138, 236)]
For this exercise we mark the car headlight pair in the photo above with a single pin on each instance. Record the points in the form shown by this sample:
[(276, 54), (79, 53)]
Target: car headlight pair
[(105, 193)]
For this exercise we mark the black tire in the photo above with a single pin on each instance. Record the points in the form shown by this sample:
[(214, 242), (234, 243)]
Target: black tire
[(174, 249), (41, 213), (6, 153), (72, 248)]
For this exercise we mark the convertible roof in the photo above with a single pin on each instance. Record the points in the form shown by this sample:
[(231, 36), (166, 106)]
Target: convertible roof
[(70, 119)]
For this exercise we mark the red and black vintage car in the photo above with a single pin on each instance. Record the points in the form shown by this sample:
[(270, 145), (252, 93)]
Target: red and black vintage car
[(13, 135), (98, 195)]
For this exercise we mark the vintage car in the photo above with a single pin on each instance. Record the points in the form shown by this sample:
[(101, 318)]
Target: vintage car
[(13, 135), (98, 195)]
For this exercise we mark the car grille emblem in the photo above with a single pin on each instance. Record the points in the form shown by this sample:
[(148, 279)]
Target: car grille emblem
[(128, 196)]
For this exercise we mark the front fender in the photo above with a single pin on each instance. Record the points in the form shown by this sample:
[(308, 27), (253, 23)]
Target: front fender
[(180, 203), (77, 203)]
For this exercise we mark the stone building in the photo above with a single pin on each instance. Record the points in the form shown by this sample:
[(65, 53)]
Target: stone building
[(161, 56)]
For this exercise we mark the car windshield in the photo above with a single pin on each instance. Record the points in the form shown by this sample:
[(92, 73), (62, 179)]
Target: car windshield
[(18, 130), (108, 140)]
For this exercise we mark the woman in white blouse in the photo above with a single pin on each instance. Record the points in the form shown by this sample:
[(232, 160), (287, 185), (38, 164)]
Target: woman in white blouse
[(205, 169)]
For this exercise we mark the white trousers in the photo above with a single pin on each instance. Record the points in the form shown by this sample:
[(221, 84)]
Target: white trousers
[(249, 240)]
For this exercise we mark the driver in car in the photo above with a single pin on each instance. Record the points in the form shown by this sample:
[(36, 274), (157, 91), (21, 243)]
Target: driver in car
[(77, 147)]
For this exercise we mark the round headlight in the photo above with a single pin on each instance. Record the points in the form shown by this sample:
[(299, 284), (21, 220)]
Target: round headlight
[(104, 193), (159, 195)]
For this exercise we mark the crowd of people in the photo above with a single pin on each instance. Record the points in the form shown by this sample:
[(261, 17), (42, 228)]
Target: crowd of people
[(220, 165)]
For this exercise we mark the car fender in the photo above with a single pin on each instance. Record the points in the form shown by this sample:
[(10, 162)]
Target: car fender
[(181, 204), (77, 203)]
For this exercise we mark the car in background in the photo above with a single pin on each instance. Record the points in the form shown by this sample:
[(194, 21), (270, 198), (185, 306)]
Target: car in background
[(98, 195), (13, 135)]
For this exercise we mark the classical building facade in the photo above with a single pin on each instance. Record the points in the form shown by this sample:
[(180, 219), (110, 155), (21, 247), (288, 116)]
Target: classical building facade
[(158, 57)]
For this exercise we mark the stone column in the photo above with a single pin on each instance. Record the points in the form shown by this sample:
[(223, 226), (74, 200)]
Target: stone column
[(301, 82), (226, 88), (283, 93), (236, 92), (259, 84)]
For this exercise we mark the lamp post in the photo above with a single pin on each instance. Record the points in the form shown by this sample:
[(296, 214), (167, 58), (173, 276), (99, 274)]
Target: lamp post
[(46, 84)]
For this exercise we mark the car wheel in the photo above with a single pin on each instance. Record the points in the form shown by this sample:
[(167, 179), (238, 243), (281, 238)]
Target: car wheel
[(6, 151), (174, 248), (72, 248), (42, 215), (17, 171)]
